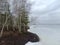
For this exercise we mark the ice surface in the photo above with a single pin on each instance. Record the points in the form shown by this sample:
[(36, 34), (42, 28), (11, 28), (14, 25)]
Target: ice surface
[(49, 34)]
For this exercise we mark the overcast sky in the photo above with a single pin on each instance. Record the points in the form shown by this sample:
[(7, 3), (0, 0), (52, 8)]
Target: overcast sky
[(47, 11)]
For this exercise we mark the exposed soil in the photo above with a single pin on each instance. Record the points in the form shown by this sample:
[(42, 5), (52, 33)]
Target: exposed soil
[(13, 37)]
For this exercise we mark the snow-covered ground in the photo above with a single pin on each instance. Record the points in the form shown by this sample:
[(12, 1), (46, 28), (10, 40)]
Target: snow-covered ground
[(49, 34)]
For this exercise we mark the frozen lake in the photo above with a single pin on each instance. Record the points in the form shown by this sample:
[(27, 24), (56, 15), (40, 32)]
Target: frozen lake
[(49, 34)]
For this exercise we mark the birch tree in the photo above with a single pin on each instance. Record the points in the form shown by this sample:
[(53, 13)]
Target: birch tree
[(5, 18), (21, 10)]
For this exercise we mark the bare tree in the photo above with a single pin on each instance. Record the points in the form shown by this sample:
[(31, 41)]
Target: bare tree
[(5, 16), (21, 10)]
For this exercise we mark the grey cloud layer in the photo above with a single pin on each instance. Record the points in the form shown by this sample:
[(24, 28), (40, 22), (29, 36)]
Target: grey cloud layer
[(48, 11)]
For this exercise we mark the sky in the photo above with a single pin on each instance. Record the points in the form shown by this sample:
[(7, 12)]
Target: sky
[(47, 11)]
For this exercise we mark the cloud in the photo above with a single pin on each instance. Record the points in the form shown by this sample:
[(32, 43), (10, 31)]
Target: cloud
[(47, 11)]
